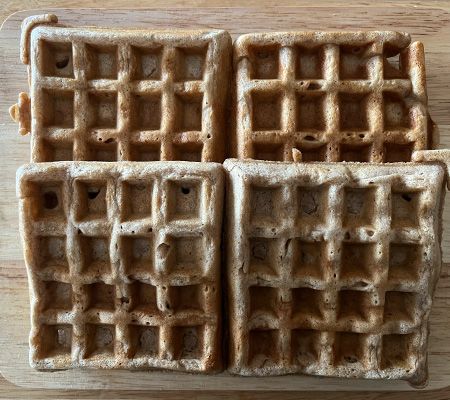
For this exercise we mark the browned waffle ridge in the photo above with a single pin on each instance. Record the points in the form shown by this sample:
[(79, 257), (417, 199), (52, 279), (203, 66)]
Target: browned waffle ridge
[(334, 96), (123, 261), (332, 267), (126, 95)]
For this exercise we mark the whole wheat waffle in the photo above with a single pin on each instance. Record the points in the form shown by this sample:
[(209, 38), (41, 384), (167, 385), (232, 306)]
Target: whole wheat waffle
[(123, 261), (332, 267), (114, 94), (333, 96)]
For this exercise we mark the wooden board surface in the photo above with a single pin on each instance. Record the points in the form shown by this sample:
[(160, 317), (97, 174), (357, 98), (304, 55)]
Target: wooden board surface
[(428, 24)]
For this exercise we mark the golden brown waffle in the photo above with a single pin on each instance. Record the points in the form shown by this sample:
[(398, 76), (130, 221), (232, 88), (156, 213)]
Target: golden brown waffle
[(113, 94), (332, 267), (123, 261), (333, 96)]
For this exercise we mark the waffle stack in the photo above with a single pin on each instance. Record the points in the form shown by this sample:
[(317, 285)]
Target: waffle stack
[(123, 257), (331, 255)]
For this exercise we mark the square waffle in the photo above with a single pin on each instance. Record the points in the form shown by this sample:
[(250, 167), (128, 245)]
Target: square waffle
[(123, 261), (332, 267), (333, 96), (127, 95)]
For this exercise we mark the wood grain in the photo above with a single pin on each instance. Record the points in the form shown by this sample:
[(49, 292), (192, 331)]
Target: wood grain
[(428, 22)]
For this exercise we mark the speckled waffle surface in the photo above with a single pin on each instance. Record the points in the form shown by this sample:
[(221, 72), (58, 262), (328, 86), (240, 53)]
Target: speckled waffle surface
[(334, 96), (331, 267), (123, 261), (137, 95)]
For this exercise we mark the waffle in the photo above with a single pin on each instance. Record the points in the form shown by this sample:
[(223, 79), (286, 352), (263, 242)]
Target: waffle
[(332, 267), (333, 96), (123, 261), (128, 95)]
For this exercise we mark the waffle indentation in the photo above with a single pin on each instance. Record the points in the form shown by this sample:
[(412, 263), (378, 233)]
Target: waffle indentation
[(58, 106), (99, 340), (147, 63), (95, 253), (100, 296), (263, 256), (138, 255), (405, 208), (91, 198), (396, 350), (266, 111), (55, 340), (57, 59), (405, 262), (144, 340), (263, 347), (103, 107), (185, 199), (57, 295), (350, 349), (137, 200), (264, 62), (52, 253), (143, 297)]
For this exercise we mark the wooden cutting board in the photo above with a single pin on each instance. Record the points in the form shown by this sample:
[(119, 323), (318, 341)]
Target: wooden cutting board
[(430, 25)]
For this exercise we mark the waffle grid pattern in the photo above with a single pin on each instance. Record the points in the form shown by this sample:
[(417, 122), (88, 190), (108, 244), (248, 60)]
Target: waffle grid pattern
[(124, 264), (325, 278), (332, 96), (128, 96)]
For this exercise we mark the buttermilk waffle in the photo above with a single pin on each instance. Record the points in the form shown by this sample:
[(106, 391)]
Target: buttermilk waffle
[(333, 96), (114, 94), (123, 261), (332, 267)]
